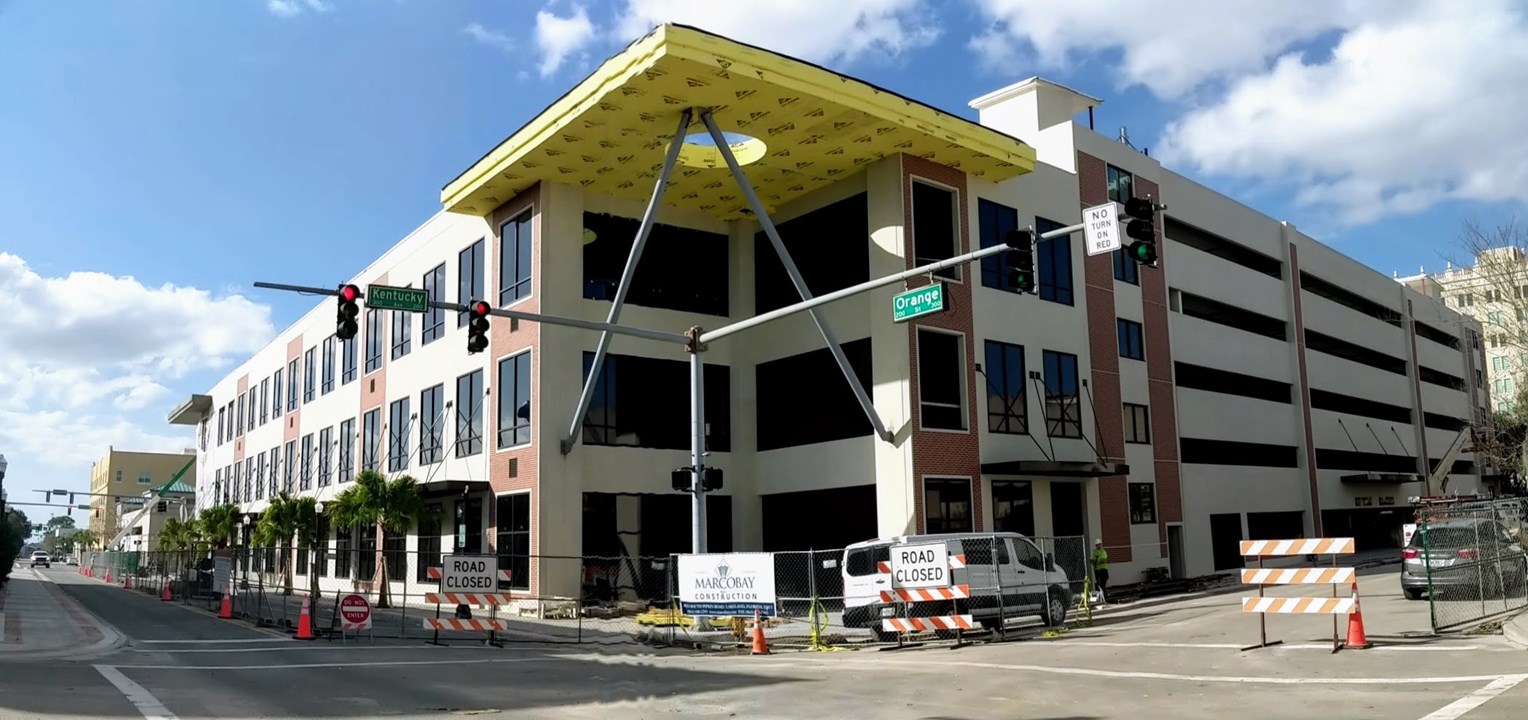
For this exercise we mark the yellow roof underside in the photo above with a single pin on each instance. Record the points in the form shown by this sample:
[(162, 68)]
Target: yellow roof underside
[(609, 133)]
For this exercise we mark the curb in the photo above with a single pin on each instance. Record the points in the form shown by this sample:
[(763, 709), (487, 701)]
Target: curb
[(1516, 630)]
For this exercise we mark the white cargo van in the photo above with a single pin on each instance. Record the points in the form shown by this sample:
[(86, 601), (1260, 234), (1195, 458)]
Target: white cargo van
[(1008, 575)]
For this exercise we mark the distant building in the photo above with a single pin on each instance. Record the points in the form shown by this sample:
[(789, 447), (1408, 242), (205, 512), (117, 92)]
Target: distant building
[(1494, 291), (144, 516), (124, 474)]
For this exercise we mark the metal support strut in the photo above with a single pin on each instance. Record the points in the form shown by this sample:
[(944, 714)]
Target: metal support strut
[(602, 351), (790, 268)]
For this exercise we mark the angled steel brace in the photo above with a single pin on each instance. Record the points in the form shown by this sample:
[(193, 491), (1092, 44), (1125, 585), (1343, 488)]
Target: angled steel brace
[(602, 351), (790, 268)]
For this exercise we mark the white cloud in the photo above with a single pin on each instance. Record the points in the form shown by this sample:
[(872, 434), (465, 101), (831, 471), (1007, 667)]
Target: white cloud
[(814, 30), (87, 361), (491, 38), (1415, 106), (1170, 47), (558, 37), (289, 8)]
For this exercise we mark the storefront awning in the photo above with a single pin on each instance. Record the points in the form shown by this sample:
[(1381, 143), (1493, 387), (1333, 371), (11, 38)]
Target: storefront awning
[(1382, 478), (1055, 468)]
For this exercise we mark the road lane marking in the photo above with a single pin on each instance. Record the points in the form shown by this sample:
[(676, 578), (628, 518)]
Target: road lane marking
[(1458, 708), (375, 663), (136, 694), (219, 642), (1139, 675), (304, 648), (1295, 646)]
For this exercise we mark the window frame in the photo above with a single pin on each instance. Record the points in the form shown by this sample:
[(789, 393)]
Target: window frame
[(309, 375), (954, 274), (1050, 254), (1112, 176), (349, 361), (503, 393), (433, 324), (402, 336), (521, 286), (1142, 513), (470, 276), (277, 396), (962, 363), (994, 268), (1136, 423), (371, 439), (325, 456), (345, 467), (1130, 336), (1125, 269), (398, 411), (1057, 428), (292, 384), (469, 416), (519, 575), (432, 421), (970, 503), (374, 340), (1006, 416), (326, 377)]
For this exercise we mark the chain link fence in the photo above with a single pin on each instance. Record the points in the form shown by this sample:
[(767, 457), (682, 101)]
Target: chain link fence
[(1470, 560), (825, 598)]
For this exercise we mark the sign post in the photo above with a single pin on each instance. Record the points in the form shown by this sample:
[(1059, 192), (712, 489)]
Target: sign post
[(387, 297), (918, 302), (1100, 229)]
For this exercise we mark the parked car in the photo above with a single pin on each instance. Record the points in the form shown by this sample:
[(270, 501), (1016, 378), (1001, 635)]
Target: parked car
[(1463, 554), (41, 558), (1008, 576)]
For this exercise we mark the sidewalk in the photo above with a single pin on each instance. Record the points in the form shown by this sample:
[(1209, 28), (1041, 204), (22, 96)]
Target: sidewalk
[(41, 622)]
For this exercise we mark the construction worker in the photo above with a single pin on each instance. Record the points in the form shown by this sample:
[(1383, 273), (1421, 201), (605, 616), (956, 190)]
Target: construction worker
[(1099, 559)]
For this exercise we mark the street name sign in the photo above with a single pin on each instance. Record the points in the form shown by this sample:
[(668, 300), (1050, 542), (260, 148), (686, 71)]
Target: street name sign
[(1100, 228), (918, 302), (386, 297), (469, 573), (920, 566)]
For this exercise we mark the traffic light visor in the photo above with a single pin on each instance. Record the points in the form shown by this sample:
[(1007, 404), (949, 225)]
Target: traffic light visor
[(481, 309), (1019, 239), (1139, 208), (1144, 252)]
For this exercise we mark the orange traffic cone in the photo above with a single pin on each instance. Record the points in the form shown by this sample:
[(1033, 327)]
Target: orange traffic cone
[(304, 622), (1356, 639), (127, 582), (108, 576), (225, 611), (760, 643), (165, 593)]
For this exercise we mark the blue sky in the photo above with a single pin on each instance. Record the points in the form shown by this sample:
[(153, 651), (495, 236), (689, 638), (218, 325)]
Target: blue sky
[(183, 150)]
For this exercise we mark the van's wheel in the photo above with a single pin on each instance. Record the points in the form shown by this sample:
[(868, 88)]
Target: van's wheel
[(1055, 608)]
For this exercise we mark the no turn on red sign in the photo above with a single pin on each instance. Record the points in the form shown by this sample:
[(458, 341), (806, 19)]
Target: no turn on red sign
[(355, 612)]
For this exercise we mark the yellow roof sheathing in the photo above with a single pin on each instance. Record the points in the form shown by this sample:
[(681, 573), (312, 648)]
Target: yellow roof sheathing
[(609, 133)]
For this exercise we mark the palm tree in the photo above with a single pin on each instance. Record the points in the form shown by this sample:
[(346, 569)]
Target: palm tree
[(84, 540), (177, 534), (389, 505), (278, 523), (218, 523)]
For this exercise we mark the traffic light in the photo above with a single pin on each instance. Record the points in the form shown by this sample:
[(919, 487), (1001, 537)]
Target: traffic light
[(345, 321), (1142, 231), (477, 327), (1021, 260)]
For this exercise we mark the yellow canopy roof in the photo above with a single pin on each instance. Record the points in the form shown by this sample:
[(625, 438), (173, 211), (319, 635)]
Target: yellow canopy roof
[(817, 127)]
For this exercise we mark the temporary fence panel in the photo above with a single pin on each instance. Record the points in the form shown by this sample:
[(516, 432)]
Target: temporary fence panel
[(1470, 559), (1262, 577)]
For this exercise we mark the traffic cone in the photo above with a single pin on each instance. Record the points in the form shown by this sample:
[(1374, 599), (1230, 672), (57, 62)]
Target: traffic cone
[(760, 643), (1356, 639), (225, 611), (165, 593), (304, 622), (108, 577), (127, 582)]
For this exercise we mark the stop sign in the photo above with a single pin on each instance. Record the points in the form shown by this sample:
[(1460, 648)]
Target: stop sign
[(355, 610)]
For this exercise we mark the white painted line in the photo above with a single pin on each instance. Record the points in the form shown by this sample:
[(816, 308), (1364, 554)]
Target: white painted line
[(1458, 708), (1294, 646), (1187, 678), (214, 642), (378, 663), (140, 697), (304, 648)]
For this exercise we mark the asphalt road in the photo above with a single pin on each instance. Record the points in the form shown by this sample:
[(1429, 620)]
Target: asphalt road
[(1180, 660)]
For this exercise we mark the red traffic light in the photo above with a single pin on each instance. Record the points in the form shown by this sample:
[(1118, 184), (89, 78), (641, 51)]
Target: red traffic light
[(349, 293), (481, 308)]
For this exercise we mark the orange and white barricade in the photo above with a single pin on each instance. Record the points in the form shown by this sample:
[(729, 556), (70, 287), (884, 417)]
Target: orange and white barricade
[(908, 596), (491, 625), (1333, 575)]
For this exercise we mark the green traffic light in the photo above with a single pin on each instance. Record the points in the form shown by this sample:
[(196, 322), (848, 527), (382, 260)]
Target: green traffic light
[(1143, 252)]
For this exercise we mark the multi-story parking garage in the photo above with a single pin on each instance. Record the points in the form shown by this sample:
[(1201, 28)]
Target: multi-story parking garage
[(1256, 384)]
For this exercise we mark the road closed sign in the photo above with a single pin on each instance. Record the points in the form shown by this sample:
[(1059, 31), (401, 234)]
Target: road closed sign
[(920, 566), (469, 573), (355, 612)]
